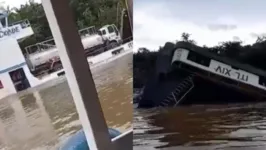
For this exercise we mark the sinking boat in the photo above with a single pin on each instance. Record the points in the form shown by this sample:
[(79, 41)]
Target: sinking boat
[(188, 74)]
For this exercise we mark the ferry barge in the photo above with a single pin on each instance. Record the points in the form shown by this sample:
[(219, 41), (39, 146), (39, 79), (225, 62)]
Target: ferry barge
[(15, 76), (17, 70), (188, 74)]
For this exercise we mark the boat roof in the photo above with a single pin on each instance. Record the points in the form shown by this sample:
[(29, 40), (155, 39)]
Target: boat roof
[(228, 61)]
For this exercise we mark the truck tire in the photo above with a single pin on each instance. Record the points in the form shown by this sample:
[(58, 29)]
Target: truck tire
[(113, 44), (57, 66)]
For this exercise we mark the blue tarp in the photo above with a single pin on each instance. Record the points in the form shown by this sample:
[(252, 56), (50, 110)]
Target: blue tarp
[(78, 140)]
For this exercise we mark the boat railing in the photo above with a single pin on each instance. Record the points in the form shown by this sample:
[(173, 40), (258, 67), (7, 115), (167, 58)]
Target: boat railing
[(86, 32), (50, 44), (40, 47), (23, 23)]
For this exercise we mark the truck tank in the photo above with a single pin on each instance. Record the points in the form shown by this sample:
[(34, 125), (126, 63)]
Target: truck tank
[(40, 53), (40, 58), (91, 41)]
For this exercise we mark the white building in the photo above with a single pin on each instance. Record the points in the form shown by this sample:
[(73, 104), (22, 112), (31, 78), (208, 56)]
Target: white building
[(14, 72)]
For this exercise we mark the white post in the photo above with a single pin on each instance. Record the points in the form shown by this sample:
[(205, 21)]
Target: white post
[(78, 73), (6, 22)]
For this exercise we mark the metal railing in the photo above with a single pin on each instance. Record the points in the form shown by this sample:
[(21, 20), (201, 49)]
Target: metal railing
[(86, 32), (179, 93), (40, 47), (50, 44), (23, 23)]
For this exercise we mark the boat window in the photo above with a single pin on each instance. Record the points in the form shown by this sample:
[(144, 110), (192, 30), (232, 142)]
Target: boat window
[(103, 32), (3, 22), (110, 29), (116, 31), (197, 58), (99, 32), (262, 81)]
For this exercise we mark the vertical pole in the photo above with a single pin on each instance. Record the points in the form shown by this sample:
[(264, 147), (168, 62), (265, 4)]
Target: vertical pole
[(6, 22), (117, 13), (122, 23), (78, 73), (129, 5)]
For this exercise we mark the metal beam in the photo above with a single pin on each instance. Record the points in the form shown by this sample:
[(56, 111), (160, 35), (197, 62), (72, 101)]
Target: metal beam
[(124, 141), (129, 5), (78, 73)]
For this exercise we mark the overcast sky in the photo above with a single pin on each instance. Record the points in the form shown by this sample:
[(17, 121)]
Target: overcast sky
[(16, 3), (208, 21)]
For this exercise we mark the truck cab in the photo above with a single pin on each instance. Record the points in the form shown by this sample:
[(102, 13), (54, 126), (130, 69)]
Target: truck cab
[(111, 34)]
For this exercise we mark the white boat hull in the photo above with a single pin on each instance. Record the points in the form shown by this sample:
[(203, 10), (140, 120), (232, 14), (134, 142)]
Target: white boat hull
[(95, 61)]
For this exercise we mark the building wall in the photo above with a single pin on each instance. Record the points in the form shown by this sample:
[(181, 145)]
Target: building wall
[(11, 58), (17, 31), (10, 54), (8, 87)]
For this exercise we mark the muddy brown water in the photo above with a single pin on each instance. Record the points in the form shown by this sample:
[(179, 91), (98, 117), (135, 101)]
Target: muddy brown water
[(212, 127), (44, 117)]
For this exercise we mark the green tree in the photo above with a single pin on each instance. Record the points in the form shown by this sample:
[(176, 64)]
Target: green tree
[(186, 38), (87, 13), (254, 55), (232, 49)]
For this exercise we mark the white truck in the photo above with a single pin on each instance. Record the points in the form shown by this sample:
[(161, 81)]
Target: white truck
[(43, 57)]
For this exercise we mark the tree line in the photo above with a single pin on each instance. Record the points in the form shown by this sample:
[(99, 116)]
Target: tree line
[(86, 12), (252, 54)]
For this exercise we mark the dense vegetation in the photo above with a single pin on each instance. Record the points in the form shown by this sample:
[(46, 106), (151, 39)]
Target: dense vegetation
[(255, 55), (87, 13)]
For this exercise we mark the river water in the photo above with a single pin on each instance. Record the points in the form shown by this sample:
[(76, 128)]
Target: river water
[(216, 127), (44, 117)]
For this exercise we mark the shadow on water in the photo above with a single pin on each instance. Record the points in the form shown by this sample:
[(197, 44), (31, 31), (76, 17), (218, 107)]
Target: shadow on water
[(234, 126), (29, 102), (43, 117)]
